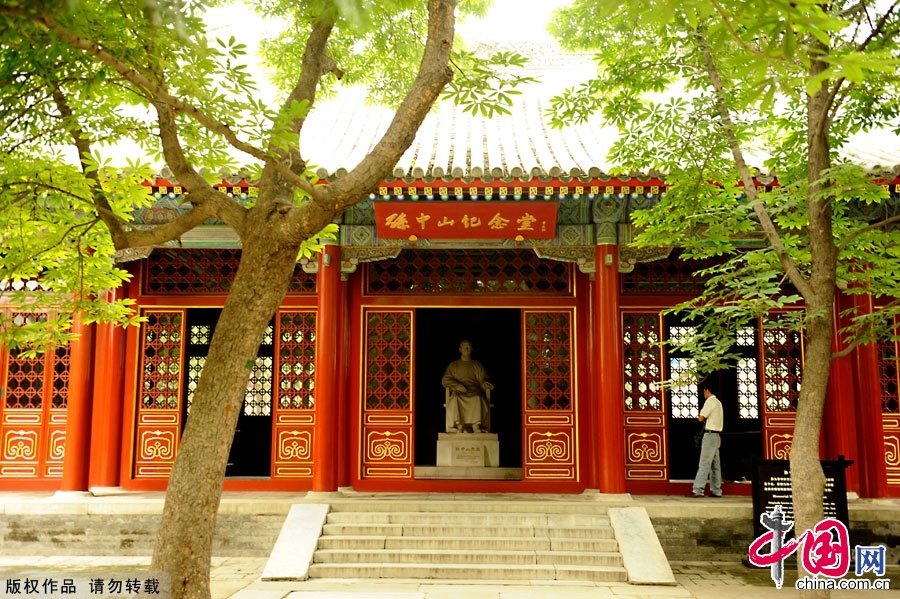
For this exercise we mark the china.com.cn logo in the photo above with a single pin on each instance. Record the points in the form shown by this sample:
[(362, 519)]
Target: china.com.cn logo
[(824, 550)]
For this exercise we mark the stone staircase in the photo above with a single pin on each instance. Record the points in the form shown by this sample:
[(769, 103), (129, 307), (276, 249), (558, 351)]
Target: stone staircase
[(468, 540)]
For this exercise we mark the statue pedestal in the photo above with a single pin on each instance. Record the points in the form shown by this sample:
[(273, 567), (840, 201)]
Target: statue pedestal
[(469, 450)]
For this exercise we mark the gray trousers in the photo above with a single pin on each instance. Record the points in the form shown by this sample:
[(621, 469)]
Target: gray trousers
[(710, 465)]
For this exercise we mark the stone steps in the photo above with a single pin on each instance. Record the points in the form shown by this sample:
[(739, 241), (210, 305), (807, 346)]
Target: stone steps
[(489, 572), (466, 556), (467, 543), (437, 530), (473, 540)]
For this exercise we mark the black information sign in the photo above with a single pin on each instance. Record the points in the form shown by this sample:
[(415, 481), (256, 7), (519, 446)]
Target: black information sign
[(772, 486)]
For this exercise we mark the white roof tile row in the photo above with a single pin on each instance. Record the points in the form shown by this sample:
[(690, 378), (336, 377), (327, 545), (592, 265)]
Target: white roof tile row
[(453, 144)]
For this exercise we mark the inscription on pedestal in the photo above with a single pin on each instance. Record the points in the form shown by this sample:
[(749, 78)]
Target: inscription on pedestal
[(468, 455), (472, 450)]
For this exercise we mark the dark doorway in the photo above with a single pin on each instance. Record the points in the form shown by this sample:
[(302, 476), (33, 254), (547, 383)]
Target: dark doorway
[(737, 387), (251, 450), (496, 334)]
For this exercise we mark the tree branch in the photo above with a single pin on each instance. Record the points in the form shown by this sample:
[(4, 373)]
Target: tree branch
[(433, 75), (213, 203), (201, 193), (160, 95), (878, 28), (315, 63), (768, 227), (849, 239), (857, 339)]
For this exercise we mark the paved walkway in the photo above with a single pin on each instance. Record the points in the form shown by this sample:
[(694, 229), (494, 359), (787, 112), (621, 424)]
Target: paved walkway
[(238, 577)]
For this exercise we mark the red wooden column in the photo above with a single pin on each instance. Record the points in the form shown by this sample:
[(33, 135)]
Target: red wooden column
[(869, 423), (106, 423), (326, 443), (610, 412), (76, 462), (839, 422), (343, 386)]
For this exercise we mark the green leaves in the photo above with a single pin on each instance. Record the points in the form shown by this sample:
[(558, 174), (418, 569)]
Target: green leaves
[(760, 65), (486, 86)]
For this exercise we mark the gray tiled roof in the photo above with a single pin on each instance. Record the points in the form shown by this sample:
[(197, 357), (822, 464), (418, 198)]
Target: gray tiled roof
[(452, 144)]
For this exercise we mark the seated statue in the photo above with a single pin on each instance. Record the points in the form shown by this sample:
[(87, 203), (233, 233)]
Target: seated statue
[(468, 403)]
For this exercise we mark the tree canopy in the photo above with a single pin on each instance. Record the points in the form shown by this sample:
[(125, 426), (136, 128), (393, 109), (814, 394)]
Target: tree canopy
[(80, 75), (696, 87)]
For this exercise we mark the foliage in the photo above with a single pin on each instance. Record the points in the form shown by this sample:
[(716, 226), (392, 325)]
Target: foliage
[(78, 75), (380, 45), (80, 79), (654, 83)]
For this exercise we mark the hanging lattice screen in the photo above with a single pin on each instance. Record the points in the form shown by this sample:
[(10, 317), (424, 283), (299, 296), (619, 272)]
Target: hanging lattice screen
[(683, 392), (258, 397), (199, 271), (468, 271)]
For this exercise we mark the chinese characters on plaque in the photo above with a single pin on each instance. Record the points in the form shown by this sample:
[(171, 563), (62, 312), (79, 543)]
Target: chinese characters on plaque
[(466, 220)]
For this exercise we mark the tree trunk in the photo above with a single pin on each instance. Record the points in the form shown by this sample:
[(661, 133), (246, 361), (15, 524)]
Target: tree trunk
[(807, 478), (184, 542)]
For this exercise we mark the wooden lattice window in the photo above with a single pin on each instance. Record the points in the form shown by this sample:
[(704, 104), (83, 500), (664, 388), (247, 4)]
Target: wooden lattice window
[(683, 391), (887, 359), (388, 373), (548, 361), (468, 271), (161, 349), (747, 374), (202, 271), (783, 368), (59, 396), (297, 360), (258, 396), (24, 382), (643, 365), (25, 376), (664, 277)]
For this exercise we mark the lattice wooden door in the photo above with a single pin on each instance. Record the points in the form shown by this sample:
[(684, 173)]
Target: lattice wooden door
[(782, 356), (33, 413), (549, 409), (387, 414)]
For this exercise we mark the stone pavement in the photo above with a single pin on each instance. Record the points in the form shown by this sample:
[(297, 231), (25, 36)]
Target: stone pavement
[(239, 577)]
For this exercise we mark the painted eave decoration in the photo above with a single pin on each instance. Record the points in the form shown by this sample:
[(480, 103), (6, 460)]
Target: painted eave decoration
[(458, 158)]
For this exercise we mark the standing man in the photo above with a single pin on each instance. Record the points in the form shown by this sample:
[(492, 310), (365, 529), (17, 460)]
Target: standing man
[(710, 464)]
